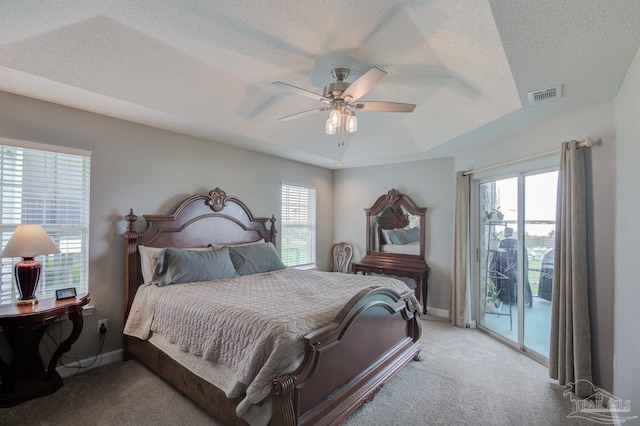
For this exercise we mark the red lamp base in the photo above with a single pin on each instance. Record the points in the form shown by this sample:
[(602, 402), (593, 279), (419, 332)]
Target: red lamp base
[(27, 275)]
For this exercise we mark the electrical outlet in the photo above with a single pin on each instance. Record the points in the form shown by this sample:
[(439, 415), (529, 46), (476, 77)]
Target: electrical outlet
[(102, 326)]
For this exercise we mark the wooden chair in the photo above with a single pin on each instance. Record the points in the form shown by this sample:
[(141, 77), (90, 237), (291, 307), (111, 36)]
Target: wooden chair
[(341, 255)]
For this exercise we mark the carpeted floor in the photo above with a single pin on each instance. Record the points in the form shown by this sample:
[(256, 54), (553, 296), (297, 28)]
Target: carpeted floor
[(466, 378)]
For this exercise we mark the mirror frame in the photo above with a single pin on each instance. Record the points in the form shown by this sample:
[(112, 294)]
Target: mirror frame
[(393, 198)]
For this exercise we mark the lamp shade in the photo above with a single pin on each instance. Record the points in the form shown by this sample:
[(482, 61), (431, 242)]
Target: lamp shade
[(29, 241)]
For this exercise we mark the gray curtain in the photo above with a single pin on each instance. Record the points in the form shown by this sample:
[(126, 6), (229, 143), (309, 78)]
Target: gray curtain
[(458, 308), (570, 351)]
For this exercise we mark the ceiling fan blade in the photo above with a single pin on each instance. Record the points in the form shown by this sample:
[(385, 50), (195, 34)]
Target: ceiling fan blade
[(363, 84), (303, 92), (303, 113), (381, 106)]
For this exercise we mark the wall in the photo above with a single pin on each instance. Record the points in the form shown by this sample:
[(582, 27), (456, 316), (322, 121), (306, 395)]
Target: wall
[(627, 291), (151, 170), (597, 123), (429, 184)]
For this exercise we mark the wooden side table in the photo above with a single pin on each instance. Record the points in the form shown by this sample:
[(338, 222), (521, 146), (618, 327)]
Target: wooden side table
[(25, 378)]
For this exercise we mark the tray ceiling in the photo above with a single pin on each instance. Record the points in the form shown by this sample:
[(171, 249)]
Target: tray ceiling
[(205, 68)]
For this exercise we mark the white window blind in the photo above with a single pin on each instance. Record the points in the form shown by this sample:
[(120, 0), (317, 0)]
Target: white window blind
[(51, 189), (298, 242)]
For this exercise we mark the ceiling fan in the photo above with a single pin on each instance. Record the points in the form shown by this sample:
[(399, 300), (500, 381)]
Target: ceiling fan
[(343, 99)]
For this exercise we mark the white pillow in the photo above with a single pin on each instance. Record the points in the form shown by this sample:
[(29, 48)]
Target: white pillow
[(148, 259)]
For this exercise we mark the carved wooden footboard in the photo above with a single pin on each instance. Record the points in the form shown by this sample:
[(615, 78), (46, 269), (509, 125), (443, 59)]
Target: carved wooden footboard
[(349, 360), (346, 362)]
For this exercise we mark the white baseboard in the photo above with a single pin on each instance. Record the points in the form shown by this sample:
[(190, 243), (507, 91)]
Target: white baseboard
[(438, 312), (104, 359)]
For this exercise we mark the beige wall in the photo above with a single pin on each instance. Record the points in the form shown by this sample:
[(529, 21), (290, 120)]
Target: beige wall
[(627, 287), (151, 170)]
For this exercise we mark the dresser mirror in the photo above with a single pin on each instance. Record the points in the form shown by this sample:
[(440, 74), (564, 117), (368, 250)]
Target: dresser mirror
[(395, 228)]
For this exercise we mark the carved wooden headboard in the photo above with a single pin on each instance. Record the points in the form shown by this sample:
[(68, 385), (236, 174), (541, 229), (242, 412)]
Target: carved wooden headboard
[(392, 217), (198, 221)]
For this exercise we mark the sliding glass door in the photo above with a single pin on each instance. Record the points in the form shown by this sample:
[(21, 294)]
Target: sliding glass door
[(515, 230)]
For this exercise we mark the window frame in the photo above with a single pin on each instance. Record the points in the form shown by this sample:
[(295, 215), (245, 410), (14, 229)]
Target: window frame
[(306, 230)]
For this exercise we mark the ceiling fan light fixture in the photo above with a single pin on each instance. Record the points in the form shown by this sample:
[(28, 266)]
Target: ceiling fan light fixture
[(329, 128), (351, 123), (341, 98), (336, 116)]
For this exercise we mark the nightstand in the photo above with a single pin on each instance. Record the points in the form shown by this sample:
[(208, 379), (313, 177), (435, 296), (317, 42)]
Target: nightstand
[(24, 325)]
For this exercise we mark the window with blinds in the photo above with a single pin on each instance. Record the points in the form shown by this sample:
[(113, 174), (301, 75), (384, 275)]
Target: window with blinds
[(52, 189), (298, 233)]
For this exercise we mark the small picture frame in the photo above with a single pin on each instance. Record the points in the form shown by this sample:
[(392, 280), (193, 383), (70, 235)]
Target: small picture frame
[(65, 293)]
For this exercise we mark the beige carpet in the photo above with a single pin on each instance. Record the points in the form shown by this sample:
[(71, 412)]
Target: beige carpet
[(466, 378)]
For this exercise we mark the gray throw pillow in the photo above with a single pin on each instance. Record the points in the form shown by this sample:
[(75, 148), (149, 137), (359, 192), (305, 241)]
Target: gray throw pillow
[(255, 258), (404, 236), (176, 266)]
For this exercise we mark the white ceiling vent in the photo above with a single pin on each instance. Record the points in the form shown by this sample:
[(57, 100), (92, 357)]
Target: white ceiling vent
[(545, 94)]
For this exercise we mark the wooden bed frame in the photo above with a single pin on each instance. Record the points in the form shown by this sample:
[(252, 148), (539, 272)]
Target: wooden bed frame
[(346, 362)]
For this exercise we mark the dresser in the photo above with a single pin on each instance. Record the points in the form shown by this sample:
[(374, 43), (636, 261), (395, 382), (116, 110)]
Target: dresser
[(395, 242)]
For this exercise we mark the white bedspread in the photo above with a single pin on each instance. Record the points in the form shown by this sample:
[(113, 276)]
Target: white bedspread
[(253, 325), (410, 248)]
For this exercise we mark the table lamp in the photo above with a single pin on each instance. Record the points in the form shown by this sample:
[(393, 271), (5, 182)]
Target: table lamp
[(27, 242)]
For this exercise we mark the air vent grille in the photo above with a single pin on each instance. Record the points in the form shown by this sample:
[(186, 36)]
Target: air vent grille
[(545, 94)]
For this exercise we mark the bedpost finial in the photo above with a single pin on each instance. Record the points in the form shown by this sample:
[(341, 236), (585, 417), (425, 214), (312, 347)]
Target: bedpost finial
[(131, 221), (273, 231)]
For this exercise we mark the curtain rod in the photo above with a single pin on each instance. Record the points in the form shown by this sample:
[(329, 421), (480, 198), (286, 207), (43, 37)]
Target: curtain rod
[(587, 143)]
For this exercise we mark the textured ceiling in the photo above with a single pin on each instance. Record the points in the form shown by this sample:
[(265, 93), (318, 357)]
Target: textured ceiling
[(204, 68)]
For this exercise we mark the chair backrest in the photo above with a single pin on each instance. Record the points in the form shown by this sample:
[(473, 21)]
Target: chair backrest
[(341, 255)]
